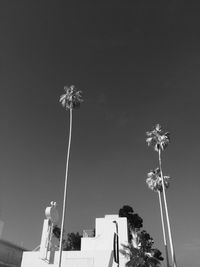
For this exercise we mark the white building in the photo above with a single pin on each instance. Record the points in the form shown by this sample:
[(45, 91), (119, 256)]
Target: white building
[(97, 251)]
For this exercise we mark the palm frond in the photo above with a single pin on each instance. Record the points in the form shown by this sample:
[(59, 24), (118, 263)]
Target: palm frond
[(72, 97), (158, 138), (139, 258), (152, 261), (154, 180)]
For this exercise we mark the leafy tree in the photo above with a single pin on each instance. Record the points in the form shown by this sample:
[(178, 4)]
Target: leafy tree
[(157, 254), (159, 140), (140, 250), (146, 241), (72, 242), (70, 100), (133, 219), (56, 231)]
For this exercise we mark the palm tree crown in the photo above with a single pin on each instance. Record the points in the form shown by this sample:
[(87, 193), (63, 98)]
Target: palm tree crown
[(154, 180), (157, 138), (72, 97)]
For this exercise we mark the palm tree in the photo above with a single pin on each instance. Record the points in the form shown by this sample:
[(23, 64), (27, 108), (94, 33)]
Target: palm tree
[(70, 100), (138, 258), (141, 253), (154, 182), (160, 140)]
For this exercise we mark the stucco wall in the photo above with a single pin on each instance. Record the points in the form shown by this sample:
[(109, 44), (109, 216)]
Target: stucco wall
[(101, 258)]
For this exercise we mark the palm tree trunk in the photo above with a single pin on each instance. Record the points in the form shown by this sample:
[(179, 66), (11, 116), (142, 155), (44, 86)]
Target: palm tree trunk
[(65, 192), (167, 214), (163, 228)]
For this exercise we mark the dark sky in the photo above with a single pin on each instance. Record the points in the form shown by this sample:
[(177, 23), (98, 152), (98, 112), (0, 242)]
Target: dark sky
[(138, 63)]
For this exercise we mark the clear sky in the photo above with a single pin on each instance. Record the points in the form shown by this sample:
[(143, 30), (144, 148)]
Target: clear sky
[(138, 63)]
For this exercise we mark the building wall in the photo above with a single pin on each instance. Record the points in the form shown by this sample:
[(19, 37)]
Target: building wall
[(105, 229)]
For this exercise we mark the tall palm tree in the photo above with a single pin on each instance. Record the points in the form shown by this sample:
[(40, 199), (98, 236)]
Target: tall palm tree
[(160, 140), (154, 182), (70, 100)]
